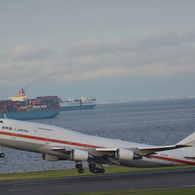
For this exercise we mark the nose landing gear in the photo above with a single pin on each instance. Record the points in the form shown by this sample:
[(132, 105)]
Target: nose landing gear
[(2, 155)]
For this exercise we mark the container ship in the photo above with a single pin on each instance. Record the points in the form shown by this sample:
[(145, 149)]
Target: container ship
[(21, 108), (77, 104)]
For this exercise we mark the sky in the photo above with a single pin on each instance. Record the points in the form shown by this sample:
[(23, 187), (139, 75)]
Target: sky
[(111, 50)]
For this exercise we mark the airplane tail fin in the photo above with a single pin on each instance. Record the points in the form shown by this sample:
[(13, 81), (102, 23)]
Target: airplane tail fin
[(188, 141)]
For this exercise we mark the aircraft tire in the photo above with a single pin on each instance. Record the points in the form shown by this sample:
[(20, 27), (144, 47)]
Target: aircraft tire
[(102, 170), (96, 170), (2, 155), (81, 170)]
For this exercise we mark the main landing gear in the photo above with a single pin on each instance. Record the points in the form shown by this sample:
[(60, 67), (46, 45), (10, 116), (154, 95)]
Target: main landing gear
[(96, 168), (93, 167), (79, 166)]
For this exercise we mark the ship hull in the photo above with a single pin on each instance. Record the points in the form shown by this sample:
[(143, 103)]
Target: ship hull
[(30, 115), (82, 107)]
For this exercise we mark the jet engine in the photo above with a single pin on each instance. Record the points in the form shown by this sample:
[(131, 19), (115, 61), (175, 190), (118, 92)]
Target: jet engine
[(81, 155), (50, 157), (124, 154)]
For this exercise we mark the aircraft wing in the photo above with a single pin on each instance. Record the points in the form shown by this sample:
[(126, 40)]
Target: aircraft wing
[(106, 156), (111, 156), (109, 151), (143, 151), (150, 150), (190, 157), (62, 149)]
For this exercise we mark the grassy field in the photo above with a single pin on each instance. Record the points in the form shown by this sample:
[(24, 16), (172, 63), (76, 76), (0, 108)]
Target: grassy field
[(170, 191), (109, 170), (73, 172)]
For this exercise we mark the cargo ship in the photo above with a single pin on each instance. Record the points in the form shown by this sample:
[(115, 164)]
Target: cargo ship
[(77, 104), (21, 108)]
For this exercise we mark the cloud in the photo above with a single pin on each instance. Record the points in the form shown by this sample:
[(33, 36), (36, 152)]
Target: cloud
[(93, 46), (153, 56), (28, 53)]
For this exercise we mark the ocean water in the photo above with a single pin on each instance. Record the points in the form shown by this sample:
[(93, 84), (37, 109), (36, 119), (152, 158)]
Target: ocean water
[(163, 122)]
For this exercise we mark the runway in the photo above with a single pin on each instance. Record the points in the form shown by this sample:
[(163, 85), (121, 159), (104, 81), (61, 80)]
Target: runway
[(102, 182)]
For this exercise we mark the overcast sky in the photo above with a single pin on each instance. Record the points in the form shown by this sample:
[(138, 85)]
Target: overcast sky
[(111, 50)]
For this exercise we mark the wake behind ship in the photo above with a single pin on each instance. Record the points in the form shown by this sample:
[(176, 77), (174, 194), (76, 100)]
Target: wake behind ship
[(22, 108)]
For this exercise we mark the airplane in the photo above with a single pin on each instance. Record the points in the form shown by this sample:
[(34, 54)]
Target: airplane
[(56, 143)]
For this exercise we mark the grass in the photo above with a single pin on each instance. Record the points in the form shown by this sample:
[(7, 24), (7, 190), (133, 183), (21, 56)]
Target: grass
[(169, 191), (73, 172), (109, 170)]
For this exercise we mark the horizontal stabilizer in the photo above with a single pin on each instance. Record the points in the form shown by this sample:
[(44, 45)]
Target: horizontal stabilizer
[(188, 141)]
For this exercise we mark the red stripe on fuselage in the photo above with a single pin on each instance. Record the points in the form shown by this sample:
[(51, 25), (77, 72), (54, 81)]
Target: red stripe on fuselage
[(50, 140), (172, 159)]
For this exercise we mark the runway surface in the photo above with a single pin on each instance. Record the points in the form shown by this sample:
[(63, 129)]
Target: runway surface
[(102, 182)]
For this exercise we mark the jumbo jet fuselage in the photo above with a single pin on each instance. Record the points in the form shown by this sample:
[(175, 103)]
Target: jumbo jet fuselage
[(56, 143)]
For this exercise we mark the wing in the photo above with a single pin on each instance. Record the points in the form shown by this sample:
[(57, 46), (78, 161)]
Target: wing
[(150, 150), (190, 157), (111, 156), (93, 155), (62, 149)]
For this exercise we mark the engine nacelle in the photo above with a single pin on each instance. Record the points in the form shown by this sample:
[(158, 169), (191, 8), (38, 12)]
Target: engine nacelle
[(50, 157), (81, 155), (124, 154)]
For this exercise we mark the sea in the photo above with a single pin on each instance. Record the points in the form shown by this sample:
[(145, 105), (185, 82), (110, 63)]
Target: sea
[(155, 122)]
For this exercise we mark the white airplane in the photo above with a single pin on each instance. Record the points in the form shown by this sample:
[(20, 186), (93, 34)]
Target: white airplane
[(57, 143)]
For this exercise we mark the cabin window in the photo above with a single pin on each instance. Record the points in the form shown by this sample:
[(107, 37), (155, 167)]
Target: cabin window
[(3, 127), (7, 128), (1, 121), (10, 128)]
